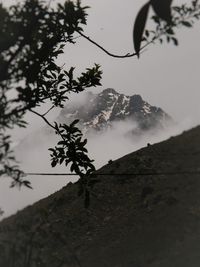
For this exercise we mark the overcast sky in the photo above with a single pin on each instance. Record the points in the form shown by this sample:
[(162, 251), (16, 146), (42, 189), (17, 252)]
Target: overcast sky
[(165, 75)]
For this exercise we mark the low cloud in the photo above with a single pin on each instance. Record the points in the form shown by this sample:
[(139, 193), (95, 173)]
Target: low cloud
[(115, 142), (102, 146)]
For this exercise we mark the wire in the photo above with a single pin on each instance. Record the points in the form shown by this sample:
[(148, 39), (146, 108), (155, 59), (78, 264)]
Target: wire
[(115, 174)]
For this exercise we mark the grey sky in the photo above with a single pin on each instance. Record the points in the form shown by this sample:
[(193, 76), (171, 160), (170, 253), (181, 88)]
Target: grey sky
[(165, 75)]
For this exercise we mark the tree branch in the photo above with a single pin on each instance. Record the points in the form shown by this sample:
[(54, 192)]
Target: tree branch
[(48, 110), (114, 55), (48, 123), (43, 117), (103, 49), (157, 36)]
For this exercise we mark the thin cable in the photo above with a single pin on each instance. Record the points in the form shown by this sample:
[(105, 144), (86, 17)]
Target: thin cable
[(115, 174)]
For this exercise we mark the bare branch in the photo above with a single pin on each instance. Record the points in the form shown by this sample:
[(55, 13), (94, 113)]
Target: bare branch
[(43, 117), (103, 49), (48, 111)]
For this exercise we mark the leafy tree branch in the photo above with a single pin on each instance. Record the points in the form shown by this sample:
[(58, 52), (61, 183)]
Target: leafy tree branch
[(166, 19), (32, 36)]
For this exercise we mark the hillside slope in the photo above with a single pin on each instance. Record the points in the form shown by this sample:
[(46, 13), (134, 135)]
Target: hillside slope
[(150, 220)]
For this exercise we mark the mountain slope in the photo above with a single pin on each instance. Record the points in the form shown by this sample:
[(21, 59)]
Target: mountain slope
[(99, 111), (133, 220)]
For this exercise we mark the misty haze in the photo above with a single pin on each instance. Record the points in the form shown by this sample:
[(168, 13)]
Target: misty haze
[(112, 130)]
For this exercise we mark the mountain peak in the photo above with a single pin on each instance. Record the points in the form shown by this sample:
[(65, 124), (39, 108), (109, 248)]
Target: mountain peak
[(99, 111), (137, 98), (109, 91)]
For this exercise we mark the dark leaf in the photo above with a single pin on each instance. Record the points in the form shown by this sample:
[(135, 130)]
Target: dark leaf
[(170, 31), (162, 9), (27, 184), (74, 123), (61, 160), (186, 23), (147, 33), (139, 27), (175, 41), (53, 163)]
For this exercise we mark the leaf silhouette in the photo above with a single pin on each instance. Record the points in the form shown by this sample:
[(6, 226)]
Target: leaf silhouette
[(163, 10), (186, 23), (139, 27)]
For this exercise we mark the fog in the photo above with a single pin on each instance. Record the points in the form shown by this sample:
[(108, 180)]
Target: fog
[(114, 143), (32, 152)]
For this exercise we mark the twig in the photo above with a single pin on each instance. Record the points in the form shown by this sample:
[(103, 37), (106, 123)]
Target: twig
[(114, 55), (48, 111), (103, 49), (142, 48), (43, 117)]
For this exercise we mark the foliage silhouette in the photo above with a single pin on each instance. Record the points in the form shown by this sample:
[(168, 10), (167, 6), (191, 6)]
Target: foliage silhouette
[(166, 19), (32, 36), (139, 27)]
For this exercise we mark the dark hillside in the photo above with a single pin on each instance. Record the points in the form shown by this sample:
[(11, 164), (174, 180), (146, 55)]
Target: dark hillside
[(150, 219)]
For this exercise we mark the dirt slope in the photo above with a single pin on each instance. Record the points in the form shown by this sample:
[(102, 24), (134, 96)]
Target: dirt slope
[(133, 220)]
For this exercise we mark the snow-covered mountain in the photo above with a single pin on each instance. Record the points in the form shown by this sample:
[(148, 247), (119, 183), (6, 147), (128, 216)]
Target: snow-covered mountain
[(110, 120), (100, 111), (103, 111)]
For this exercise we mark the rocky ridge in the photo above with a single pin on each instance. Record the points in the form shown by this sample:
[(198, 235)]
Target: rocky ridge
[(99, 112)]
